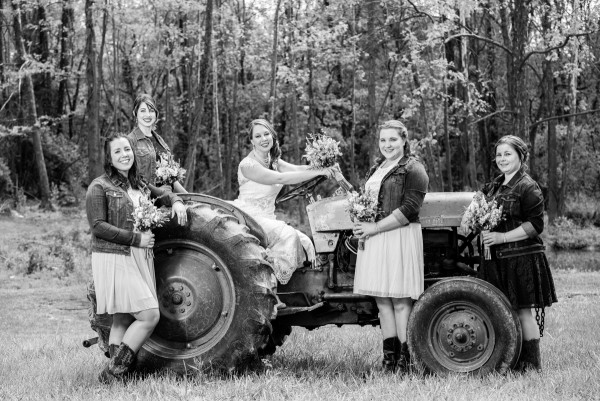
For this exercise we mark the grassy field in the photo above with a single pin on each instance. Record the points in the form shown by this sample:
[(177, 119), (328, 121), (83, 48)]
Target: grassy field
[(43, 319)]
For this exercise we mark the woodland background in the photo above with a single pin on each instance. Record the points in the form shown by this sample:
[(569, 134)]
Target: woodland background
[(459, 73)]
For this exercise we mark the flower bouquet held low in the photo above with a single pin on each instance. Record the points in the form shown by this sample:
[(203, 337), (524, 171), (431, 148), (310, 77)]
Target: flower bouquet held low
[(321, 152), (168, 171), (362, 206), (482, 216), (147, 216)]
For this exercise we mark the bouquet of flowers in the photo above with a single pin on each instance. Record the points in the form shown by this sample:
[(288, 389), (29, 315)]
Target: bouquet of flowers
[(362, 206), (482, 216), (321, 151), (168, 171), (147, 216)]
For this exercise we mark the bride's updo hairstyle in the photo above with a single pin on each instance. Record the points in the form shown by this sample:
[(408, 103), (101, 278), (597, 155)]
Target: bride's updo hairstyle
[(275, 151), (518, 145), (402, 131)]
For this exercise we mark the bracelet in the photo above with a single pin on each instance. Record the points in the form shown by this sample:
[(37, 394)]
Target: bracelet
[(504, 237), (377, 227)]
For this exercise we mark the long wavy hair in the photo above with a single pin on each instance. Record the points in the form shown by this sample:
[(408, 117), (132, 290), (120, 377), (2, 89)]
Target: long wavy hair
[(401, 130), (150, 102), (518, 145), (132, 175), (275, 151)]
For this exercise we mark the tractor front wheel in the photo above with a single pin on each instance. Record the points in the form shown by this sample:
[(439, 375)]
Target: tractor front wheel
[(464, 324)]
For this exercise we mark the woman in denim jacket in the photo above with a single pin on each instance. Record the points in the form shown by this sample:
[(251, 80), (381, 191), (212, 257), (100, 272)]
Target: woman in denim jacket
[(147, 144), (519, 267), (390, 268), (123, 270)]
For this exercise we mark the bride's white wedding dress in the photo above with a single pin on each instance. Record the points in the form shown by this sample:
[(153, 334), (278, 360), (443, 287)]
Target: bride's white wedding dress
[(285, 244)]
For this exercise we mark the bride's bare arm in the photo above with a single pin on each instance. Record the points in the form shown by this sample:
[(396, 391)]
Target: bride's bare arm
[(263, 175), (285, 167)]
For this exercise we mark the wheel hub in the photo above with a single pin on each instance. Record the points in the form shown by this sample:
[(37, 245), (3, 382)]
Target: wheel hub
[(463, 337), (196, 298)]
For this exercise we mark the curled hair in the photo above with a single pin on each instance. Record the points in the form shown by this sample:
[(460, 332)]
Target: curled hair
[(518, 145), (110, 170), (275, 151), (144, 98), (402, 131)]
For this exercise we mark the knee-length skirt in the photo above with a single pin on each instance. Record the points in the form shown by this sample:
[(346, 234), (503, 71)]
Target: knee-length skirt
[(391, 264), (124, 283)]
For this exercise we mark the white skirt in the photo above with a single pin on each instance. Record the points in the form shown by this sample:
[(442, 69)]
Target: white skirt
[(124, 283), (391, 265)]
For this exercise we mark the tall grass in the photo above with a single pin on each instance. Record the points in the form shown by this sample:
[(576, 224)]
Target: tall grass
[(43, 319), (41, 358)]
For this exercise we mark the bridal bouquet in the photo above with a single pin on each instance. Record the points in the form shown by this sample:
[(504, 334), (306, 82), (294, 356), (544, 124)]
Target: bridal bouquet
[(482, 216), (168, 171), (147, 216), (321, 151), (362, 206)]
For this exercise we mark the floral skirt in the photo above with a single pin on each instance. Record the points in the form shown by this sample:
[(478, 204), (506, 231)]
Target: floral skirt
[(124, 283)]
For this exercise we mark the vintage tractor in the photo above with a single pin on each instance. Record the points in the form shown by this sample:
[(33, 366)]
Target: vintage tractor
[(222, 307)]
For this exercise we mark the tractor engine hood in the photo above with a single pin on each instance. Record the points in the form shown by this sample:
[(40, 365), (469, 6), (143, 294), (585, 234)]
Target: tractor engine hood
[(440, 209)]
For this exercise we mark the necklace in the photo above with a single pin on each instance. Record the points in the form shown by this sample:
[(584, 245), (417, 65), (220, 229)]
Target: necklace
[(264, 161)]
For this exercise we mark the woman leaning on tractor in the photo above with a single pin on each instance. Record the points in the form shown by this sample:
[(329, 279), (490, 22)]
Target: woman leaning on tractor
[(390, 268), (518, 266), (122, 266)]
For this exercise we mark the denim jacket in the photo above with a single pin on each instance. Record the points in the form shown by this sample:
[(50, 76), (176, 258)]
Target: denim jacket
[(522, 206), (402, 190), (109, 211), (145, 153)]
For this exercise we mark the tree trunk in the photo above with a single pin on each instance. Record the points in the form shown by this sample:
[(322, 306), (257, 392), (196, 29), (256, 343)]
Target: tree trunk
[(95, 151), (65, 58), (515, 34), (450, 185), (116, 98), (40, 49), (273, 92), (196, 125), (568, 160), (216, 125), (549, 97), (29, 110), (466, 92), (371, 50)]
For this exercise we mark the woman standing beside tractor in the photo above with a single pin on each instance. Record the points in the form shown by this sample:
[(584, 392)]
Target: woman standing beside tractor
[(518, 266), (390, 268)]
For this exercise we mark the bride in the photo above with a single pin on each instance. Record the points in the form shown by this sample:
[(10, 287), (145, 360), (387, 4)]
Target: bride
[(261, 175)]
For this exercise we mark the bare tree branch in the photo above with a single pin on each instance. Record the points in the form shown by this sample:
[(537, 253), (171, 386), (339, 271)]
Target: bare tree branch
[(492, 115), (493, 42), (548, 50), (563, 116)]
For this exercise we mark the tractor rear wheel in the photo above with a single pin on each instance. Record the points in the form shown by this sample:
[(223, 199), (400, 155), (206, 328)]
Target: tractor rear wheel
[(215, 295), (464, 324)]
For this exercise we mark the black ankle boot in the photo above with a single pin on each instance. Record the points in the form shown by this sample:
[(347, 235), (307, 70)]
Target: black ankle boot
[(389, 354), (530, 357), (402, 357), (120, 364)]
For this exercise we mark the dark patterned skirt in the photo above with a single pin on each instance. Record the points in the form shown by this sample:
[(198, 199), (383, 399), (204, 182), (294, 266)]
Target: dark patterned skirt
[(525, 280)]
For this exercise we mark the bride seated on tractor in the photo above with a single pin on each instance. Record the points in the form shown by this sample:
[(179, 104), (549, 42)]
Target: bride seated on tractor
[(261, 176)]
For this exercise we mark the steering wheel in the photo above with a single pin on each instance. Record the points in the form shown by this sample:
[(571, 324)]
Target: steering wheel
[(300, 190)]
